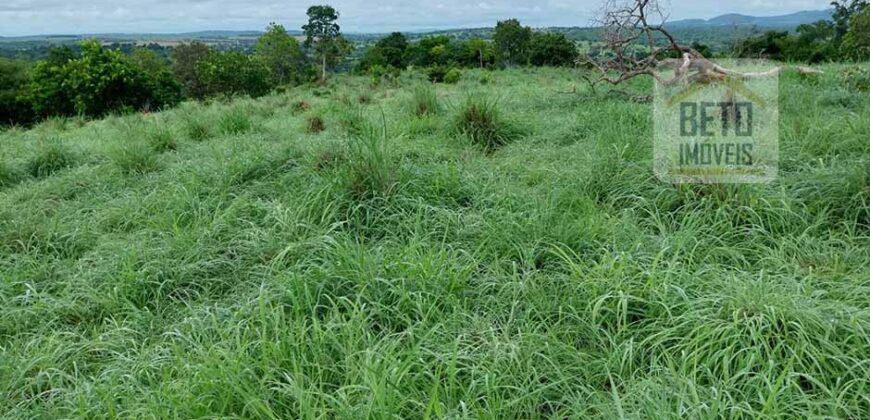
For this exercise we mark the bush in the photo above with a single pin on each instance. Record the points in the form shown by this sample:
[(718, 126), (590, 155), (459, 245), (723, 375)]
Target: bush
[(233, 73), (453, 76), (51, 158), (856, 78), (235, 121), (14, 106), (480, 121), (436, 74), (424, 101)]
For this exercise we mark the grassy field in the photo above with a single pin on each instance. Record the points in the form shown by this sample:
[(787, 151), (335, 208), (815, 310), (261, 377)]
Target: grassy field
[(483, 250)]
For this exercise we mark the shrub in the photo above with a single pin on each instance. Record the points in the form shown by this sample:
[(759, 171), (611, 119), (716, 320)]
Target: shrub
[(424, 101), (235, 121), (134, 157), (436, 74), (453, 76), (856, 78), (51, 158), (233, 73), (480, 121), (314, 124), (161, 139)]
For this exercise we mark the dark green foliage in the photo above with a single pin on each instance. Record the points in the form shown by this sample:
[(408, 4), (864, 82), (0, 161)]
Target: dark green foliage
[(551, 49), (856, 43), (436, 74), (186, 59), (15, 107), (387, 52), (512, 41), (479, 119), (233, 73)]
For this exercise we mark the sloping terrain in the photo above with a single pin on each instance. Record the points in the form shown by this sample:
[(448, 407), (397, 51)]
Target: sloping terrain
[(231, 259)]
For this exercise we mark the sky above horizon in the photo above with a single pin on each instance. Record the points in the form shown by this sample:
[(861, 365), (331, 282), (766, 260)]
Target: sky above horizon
[(39, 17)]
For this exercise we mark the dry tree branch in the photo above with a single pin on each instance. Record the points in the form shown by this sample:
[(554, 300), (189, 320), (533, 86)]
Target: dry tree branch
[(630, 25)]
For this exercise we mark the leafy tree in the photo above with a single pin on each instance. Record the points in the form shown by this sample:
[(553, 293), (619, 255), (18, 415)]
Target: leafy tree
[(843, 12), (324, 36), (165, 89), (481, 52), (102, 80), (387, 52), (14, 106), (856, 43), (393, 48), (282, 55), (427, 51), (185, 63), (233, 73), (512, 41), (551, 49)]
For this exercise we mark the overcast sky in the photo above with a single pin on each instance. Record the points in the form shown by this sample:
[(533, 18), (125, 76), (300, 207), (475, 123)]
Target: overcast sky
[(29, 17)]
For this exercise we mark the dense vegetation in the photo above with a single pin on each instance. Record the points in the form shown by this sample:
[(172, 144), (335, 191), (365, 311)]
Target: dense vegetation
[(150, 78), (475, 250)]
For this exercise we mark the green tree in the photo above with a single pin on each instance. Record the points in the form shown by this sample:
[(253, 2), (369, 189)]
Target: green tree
[(512, 41), (856, 43), (551, 49), (843, 12), (324, 36), (14, 106), (185, 63), (164, 88), (282, 55), (233, 73), (102, 80)]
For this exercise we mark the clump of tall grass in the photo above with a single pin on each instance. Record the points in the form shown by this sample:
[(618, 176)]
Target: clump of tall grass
[(235, 121), (370, 169), (479, 120), (314, 124), (196, 129), (353, 121), (134, 157), (161, 139), (52, 157), (424, 101), (8, 175)]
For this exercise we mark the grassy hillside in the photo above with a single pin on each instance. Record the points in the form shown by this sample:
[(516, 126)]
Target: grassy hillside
[(230, 260)]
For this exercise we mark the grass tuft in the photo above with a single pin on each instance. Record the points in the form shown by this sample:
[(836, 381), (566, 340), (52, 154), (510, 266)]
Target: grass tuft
[(235, 121), (314, 124), (479, 120), (424, 101), (134, 157), (52, 156), (161, 139)]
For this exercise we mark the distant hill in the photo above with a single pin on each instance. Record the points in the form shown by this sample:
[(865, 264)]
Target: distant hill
[(733, 19)]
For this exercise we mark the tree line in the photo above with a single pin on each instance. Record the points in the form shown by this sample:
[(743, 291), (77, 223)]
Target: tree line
[(93, 80), (845, 37)]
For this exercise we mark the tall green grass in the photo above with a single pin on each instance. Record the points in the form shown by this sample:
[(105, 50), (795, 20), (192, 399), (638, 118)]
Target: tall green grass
[(394, 266)]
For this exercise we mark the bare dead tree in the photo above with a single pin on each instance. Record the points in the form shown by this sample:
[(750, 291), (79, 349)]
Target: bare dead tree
[(632, 26)]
